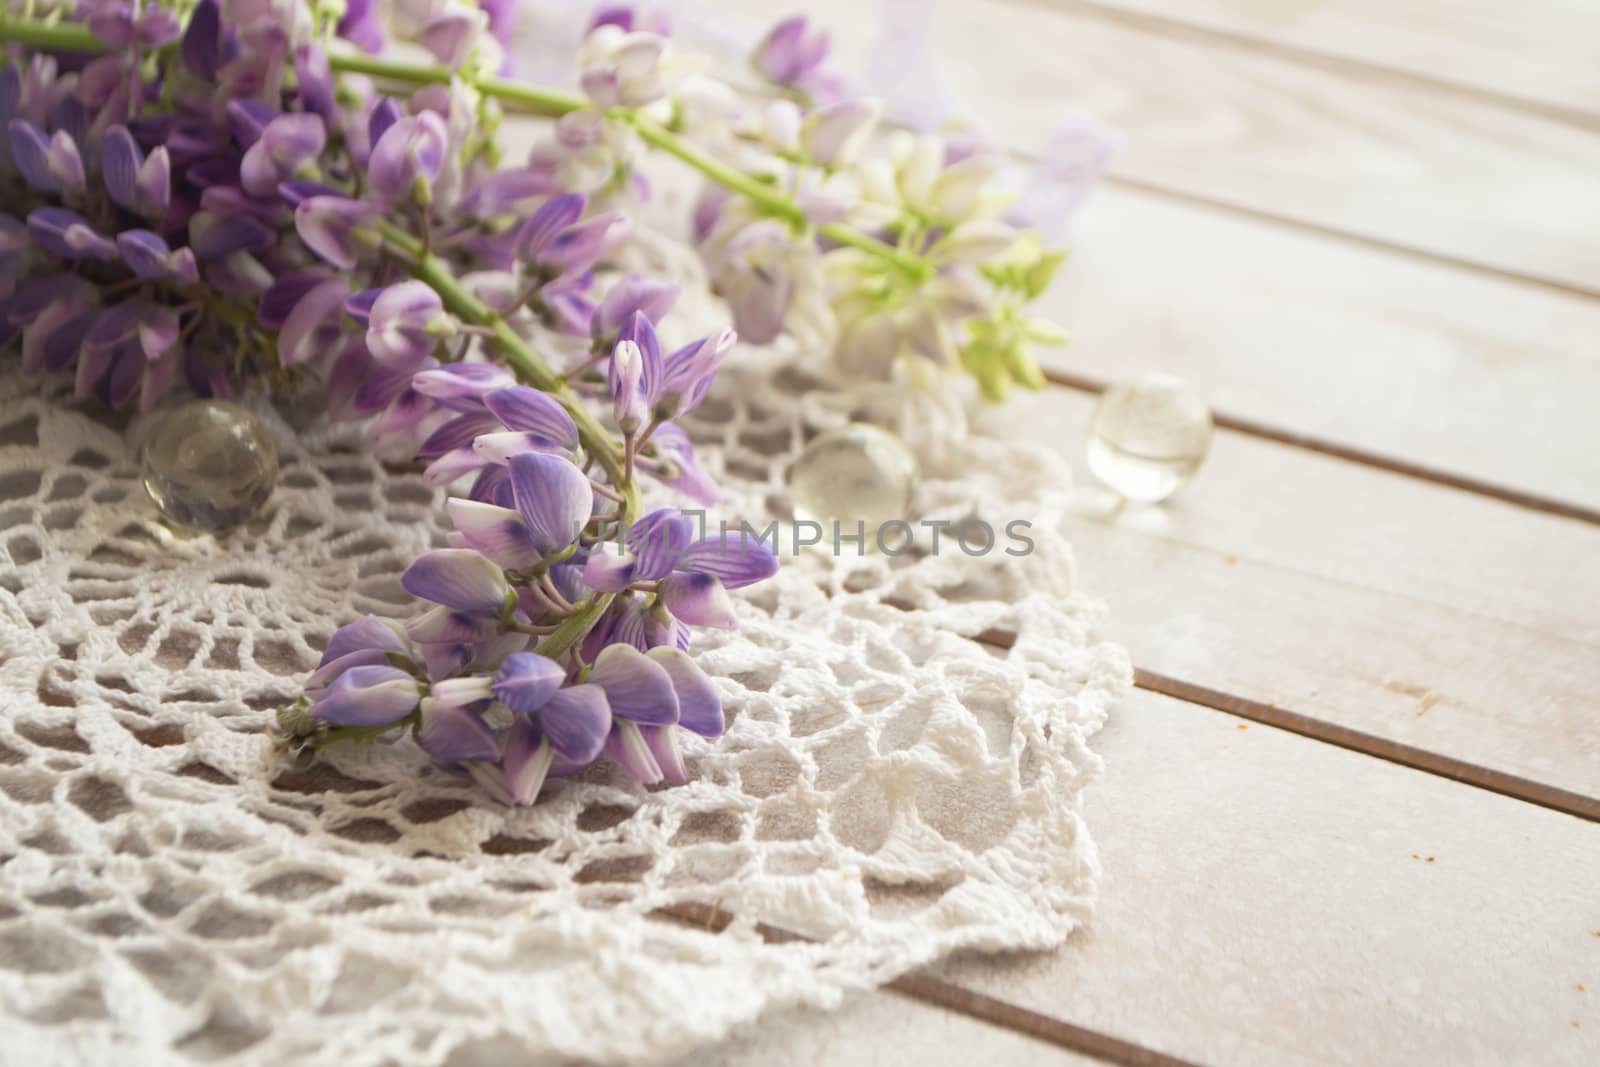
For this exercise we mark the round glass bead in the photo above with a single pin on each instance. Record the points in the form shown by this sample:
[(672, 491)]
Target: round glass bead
[(1148, 437), (856, 473), (208, 464)]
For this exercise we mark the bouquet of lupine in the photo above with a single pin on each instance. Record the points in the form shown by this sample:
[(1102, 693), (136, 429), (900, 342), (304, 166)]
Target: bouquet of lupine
[(241, 194)]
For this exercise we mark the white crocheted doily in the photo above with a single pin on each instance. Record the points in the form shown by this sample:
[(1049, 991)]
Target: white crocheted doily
[(889, 788)]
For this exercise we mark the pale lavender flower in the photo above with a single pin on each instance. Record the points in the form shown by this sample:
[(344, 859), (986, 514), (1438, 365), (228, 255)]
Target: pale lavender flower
[(287, 144), (409, 155), (368, 696), (406, 322)]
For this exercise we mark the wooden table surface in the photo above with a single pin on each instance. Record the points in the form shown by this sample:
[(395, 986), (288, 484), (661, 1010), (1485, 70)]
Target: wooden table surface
[(1350, 814)]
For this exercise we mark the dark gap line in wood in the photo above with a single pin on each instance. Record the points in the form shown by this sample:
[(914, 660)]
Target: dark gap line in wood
[(1418, 759), (952, 997), (1365, 240), (941, 993), (1405, 468), (1182, 29)]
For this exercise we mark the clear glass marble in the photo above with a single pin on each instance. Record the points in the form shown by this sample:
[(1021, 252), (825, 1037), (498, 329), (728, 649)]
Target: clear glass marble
[(208, 465), (856, 473), (1148, 437)]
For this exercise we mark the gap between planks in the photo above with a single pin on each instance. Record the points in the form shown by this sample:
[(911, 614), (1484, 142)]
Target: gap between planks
[(940, 993), (1183, 29), (1409, 756), (1405, 468)]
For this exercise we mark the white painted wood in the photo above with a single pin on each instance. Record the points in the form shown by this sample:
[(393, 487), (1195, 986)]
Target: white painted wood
[(1375, 158), (879, 1028), (1546, 51), (1419, 613), (1273, 900), (1456, 371)]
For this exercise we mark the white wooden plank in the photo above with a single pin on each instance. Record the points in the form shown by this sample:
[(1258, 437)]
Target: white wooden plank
[(1271, 900), (878, 1028), (1546, 51), (1414, 612), (1388, 161), (1408, 359)]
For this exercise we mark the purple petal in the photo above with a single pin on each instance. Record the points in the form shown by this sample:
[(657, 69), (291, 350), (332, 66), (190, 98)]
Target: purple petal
[(446, 626), (498, 533), (327, 225), (498, 448), (641, 332), (579, 247), (638, 688), (316, 80), (287, 143), (247, 119), (459, 578), (385, 113), (554, 496), (153, 188), (625, 377), (659, 540), (526, 762), (30, 152), (397, 328), (608, 570), (662, 741), (699, 703), (450, 466), (367, 632), (213, 236), (68, 235), (738, 558), (522, 407), (120, 160), (542, 227), (145, 253), (454, 734), (576, 721), (637, 292), (526, 681), (412, 148), (459, 432), (367, 696), (625, 746), (202, 41), (699, 600), (303, 334), (285, 293)]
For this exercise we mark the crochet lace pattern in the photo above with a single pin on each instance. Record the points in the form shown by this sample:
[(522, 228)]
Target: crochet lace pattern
[(895, 783)]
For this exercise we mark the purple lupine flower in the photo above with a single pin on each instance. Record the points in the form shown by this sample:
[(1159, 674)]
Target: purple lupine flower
[(572, 725), (699, 711), (368, 696), (369, 641), (693, 575), (405, 324), (455, 734), (676, 465), (458, 578), (640, 293), (362, 24), (410, 151), (50, 164), (463, 386), (641, 694), (630, 406), (68, 235), (148, 256), (791, 55), (214, 236), (687, 373), (832, 135), (453, 34), (630, 17), (287, 143), (140, 183), (329, 226), (557, 244), (315, 78)]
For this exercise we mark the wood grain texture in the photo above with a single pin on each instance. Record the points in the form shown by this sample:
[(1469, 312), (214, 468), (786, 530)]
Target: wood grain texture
[(1380, 161), (1459, 372), (1271, 900), (1419, 614), (1539, 53)]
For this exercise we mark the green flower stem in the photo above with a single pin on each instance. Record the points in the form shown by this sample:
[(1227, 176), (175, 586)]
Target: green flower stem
[(552, 103), (435, 273)]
